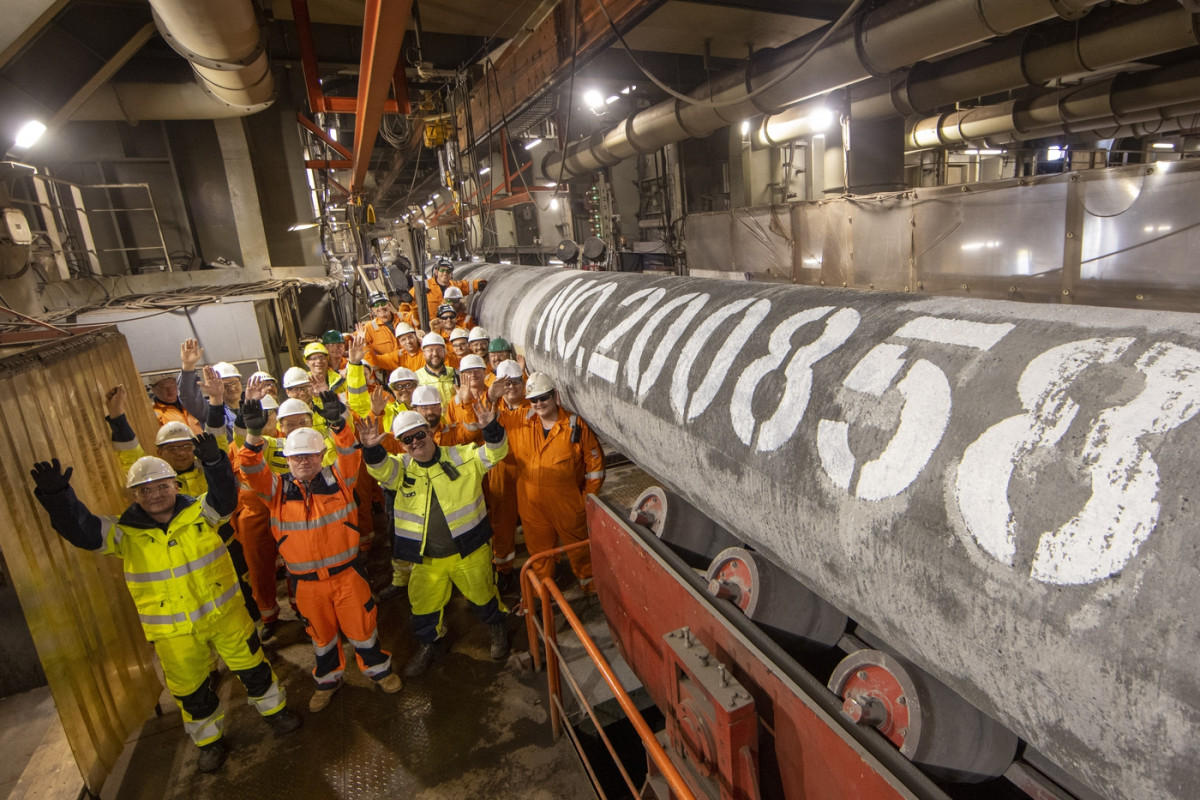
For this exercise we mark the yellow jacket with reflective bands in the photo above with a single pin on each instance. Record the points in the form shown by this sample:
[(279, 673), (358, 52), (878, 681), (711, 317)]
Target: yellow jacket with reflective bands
[(457, 479)]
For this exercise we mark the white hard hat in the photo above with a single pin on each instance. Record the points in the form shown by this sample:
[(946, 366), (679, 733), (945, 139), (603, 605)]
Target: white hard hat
[(452, 293), (403, 328), (433, 340), (263, 376), (401, 374), (539, 383), (508, 369), (478, 334), (406, 421), (471, 362), (295, 377), (148, 469), (427, 395), (173, 432), (226, 370), (291, 408), (270, 403), (458, 333), (303, 442)]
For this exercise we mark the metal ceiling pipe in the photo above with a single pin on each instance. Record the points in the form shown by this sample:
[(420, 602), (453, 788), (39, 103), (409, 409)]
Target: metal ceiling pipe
[(134, 102), (1105, 38), (1109, 99), (226, 46), (884, 39)]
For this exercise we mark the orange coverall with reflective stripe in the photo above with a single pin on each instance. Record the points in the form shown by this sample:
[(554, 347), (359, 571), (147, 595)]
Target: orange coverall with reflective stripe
[(314, 528), (553, 474), (500, 493), (252, 526)]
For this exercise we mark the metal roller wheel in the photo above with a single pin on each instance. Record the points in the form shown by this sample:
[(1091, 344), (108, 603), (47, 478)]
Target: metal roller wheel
[(696, 537), (932, 726), (773, 599)]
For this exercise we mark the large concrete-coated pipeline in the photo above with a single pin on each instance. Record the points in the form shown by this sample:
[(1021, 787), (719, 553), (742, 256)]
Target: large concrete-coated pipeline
[(998, 490)]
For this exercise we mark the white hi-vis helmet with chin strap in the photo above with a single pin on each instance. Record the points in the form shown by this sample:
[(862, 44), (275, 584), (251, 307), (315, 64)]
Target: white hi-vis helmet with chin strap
[(407, 421), (303, 442), (539, 383), (295, 377), (148, 469), (173, 432)]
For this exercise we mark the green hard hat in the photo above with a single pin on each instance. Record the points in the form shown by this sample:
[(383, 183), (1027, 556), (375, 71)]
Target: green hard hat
[(499, 345), (332, 337)]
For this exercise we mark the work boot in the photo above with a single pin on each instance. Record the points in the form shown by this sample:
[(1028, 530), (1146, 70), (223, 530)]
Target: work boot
[(212, 756), (269, 630), (391, 684), (322, 698), (500, 646), (391, 591), (284, 721), (426, 653), (506, 581)]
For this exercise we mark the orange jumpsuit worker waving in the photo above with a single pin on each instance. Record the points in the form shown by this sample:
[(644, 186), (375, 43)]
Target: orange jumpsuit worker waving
[(559, 460), (312, 512)]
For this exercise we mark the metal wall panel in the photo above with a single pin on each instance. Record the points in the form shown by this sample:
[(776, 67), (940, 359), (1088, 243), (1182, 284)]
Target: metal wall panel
[(98, 663)]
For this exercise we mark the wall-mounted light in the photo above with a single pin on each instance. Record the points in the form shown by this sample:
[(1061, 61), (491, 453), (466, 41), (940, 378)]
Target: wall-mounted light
[(821, 119), (745, 127), (593, 98), (554, 204), (29, 134), (1163, 145), (333, 134)]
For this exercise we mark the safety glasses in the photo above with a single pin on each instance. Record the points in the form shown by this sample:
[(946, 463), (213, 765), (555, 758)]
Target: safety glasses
[(541, 398), (419, 436)]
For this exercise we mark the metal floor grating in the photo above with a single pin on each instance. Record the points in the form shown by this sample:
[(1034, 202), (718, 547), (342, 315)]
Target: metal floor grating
[(469, 727)]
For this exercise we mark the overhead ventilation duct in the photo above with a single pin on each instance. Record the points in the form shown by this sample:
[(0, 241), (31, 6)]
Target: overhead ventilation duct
[(1105, 38), (225, 44), (886, 38), (1120, 100)]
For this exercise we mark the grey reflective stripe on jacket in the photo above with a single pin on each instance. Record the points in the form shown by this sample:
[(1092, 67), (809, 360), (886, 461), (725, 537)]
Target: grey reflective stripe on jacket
[(177, 572)]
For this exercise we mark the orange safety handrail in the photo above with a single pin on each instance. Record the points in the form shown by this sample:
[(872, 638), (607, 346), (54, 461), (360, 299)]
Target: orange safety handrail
[(549, 594)]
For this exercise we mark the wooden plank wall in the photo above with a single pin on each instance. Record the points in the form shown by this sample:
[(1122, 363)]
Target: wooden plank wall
[(99, 666)]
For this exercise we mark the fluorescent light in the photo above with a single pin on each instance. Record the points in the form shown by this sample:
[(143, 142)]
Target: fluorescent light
[(625, 90), (1054, 153), (29, 134), (554, 204), (302, 226), (1163, 146), (533, 144), (745, 127), (612, 99), (983, 152), (550, 183), (485, 170), (333, 134), (593, 98)]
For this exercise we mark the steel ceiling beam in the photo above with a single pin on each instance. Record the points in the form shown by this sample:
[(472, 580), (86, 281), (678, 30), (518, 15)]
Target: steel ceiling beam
[(384, 24)]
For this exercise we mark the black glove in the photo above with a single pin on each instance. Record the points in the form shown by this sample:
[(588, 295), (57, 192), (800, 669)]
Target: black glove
[(481, 285), (254, 416), (206, 449), (331, 408), (50, 478)]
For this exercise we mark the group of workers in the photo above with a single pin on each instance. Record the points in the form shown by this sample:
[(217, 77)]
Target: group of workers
[(459, 443)]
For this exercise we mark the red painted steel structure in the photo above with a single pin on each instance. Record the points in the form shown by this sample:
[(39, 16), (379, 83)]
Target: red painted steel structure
[(644, 603), (384, 24)]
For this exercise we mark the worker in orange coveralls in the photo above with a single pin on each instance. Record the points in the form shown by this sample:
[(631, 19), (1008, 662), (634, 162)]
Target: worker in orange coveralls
[(312, 508), (559, 460), (500, 487)]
